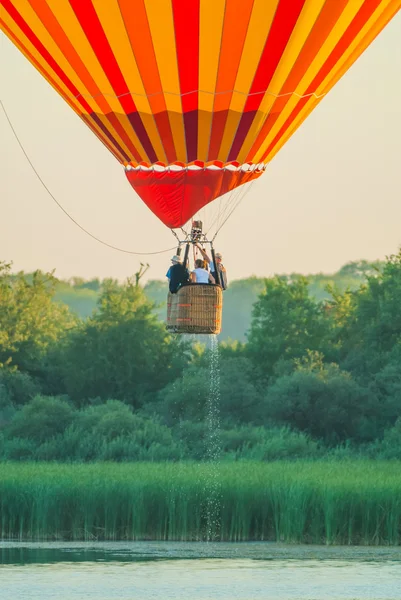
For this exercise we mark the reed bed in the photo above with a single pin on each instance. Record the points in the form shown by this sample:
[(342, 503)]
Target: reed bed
[(346, 502)]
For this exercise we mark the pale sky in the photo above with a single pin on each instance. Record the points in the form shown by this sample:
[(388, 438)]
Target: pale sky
[(331, 195)]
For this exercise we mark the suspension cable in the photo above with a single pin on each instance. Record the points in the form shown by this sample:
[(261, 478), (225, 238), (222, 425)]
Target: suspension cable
[(233, 209), (64, 210)]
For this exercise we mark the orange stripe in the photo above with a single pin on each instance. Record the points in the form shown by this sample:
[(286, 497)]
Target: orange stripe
[(137, 26), (232, 43), (236, 21), (136, 23)]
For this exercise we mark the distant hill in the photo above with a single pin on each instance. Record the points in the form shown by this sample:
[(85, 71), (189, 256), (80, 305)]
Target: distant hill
[(81, 295)]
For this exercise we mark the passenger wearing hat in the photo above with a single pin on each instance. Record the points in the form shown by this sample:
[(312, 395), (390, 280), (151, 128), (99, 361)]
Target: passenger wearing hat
[(221, 269), (177, 274)]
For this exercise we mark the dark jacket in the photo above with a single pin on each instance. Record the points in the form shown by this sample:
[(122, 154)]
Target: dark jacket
[(178, 275)]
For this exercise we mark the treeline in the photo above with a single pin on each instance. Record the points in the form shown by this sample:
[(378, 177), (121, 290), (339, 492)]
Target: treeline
[(314, 378), (81, 296)]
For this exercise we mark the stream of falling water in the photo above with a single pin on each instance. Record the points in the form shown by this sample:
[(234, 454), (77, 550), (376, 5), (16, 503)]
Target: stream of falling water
[(213, 444)]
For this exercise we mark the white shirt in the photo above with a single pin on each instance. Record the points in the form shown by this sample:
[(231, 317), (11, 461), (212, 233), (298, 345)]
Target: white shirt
[(202, 276)]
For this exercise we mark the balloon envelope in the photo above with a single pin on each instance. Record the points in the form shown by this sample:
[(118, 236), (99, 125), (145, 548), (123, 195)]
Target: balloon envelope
[(195, 96)]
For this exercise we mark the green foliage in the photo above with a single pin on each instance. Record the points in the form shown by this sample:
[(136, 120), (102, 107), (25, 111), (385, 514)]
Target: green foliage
[(286, 322), (389, 447), (387, 382), (41, 419), (157, 291), (17, 388), (259, 443), (328, 404), (30, 320), (81, 301), (123, 351), (238, 301), (326, 371), (50, 429), (349, 502), (81, 296), (373, 326), (17, 449), (239, 402)]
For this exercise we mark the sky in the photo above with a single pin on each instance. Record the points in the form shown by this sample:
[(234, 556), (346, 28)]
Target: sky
[(331, 195)]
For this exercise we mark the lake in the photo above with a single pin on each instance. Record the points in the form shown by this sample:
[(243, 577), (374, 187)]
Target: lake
[(197, 571)]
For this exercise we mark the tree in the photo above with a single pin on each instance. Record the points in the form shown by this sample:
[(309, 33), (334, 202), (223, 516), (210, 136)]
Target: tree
[(122, 352), (373, 327), (17, 388), (328, 404), (41, 419), (186, 399), (30, 321), (238, 301), (285, 323)]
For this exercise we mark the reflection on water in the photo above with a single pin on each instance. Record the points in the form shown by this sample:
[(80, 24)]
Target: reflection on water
[(179, 571)]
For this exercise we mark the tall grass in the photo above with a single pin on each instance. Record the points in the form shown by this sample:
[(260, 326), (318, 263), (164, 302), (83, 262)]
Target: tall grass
[(315, 502)]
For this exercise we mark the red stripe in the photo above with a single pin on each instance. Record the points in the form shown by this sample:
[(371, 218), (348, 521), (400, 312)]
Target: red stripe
[(138, 127), (284, 22), (45, 54), (186, 25), (174, 197), (117, 126), (358, 22), (93, 29), (164, 128), (286, 16), (111, 147)]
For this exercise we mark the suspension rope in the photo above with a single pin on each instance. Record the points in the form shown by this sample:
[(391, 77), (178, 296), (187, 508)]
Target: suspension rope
[(233, 209), (64, 210), (224, 209)]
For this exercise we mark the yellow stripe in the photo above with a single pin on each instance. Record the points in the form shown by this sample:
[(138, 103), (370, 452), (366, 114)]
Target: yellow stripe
[(210, 34), (300, 34), (161, 25), (233, 119), (258, 31), (335, 35), (358, 45), (114, 28)]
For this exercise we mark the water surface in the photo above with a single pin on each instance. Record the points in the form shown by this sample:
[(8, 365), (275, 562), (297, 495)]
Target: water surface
[(198, 571)]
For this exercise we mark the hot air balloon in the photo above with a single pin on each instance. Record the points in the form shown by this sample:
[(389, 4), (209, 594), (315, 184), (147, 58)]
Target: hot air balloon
[(193, 97)]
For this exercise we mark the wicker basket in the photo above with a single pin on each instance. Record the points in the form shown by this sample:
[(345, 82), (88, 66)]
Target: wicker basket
[(195, 308)]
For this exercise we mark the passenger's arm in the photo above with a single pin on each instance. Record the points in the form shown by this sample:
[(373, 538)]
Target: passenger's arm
[(211, 278), (203, 252), (192, 277)]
